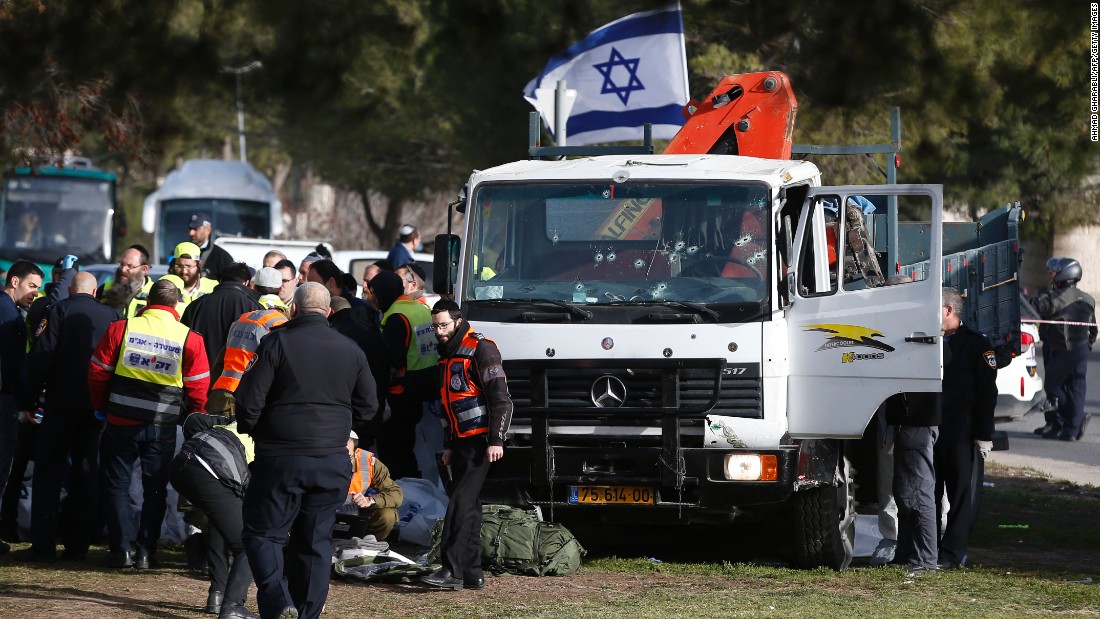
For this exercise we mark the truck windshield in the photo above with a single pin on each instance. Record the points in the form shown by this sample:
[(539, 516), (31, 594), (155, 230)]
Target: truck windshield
[(636, 243), (45, 217), (230, 218)]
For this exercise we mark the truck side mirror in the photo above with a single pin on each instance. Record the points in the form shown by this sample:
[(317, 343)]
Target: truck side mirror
[(445, 264)]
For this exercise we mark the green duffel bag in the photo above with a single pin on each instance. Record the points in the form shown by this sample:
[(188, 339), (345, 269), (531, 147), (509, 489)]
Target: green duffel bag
[(558, 552), (509, 541), (513, 541)]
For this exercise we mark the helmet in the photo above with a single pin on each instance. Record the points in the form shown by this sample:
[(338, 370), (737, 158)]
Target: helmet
[(1055, 264), (1068, 272)]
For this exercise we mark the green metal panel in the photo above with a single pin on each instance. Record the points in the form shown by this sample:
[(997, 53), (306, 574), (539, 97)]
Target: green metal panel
[(99, 175)]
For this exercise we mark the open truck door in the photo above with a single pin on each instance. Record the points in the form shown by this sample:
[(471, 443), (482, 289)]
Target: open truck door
[(864, 322)]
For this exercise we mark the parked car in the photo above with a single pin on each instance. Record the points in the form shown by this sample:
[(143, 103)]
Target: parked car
[(1019, 385), (355, 261)]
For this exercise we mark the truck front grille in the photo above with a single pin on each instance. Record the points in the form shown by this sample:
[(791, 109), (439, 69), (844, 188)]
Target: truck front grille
[(571, 389)]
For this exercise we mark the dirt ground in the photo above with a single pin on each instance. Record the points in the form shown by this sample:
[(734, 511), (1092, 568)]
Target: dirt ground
[(85, 591)]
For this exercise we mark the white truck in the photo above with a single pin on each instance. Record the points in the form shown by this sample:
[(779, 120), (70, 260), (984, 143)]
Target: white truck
[(240, 200), (691, 337)]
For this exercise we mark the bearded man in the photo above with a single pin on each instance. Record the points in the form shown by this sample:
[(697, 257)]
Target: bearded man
[(126, 293)]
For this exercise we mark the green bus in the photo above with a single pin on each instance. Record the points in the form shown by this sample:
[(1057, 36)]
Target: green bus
[(47, 212)]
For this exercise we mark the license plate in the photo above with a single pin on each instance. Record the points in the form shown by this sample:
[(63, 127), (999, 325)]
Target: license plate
[(611, 495)]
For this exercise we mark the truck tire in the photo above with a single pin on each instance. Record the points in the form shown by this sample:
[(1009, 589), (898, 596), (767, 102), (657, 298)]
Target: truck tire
[(825, 522)]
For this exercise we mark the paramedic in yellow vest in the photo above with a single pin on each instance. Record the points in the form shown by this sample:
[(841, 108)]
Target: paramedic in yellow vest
[(178, 283), (126, 293), (412, 276), (478, 411), (145, 376), (406, 328), (188, 266), (238, 355), (373, 494)]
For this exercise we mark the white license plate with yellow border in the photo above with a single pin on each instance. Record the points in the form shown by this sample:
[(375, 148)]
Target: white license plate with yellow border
[(611, 495)]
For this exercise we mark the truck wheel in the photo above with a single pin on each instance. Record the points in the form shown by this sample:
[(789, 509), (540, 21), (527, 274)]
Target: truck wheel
[(825, 523)]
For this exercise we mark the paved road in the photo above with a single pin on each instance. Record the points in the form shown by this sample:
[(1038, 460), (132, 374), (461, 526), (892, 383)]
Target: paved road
[(1077, 462)]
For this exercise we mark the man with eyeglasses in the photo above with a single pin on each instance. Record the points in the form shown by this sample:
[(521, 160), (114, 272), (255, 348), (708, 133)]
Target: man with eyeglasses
[(413, 276), (187, 265), (126, 293), (289, 278), (478, 410)]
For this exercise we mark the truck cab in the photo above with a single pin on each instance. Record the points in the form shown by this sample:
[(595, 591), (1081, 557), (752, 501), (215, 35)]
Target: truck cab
[(689, 338)]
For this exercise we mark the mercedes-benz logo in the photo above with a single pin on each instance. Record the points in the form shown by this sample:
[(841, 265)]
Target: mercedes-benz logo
[(608, 392)]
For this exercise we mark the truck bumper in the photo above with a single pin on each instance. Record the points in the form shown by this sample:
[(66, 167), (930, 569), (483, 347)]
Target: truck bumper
[(693, 490)]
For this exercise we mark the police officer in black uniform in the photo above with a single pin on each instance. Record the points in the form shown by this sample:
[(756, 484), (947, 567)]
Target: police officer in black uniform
[(966, 428), (1066, 349), (58, 365), (299, 401)]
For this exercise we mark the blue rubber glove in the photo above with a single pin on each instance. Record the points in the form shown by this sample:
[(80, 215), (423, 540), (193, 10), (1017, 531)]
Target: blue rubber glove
[(100, 416), (68, 261)]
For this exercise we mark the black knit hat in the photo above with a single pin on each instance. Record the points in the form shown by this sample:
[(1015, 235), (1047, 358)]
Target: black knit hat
[(387, 286)]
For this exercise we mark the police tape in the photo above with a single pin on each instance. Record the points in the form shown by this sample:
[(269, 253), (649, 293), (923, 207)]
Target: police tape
[(1060, 322)]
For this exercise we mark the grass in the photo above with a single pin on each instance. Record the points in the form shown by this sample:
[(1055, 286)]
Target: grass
[(1038, 571)]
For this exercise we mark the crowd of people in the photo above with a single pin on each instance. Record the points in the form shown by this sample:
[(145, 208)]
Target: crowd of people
[(297, 400)]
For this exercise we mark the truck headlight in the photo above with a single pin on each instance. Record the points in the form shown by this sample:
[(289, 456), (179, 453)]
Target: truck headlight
[(750, 467)]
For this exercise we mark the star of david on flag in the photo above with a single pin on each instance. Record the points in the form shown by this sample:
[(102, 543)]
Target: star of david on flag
[(630, 72)]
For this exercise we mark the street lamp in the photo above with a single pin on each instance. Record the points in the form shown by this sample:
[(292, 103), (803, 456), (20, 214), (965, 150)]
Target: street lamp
[(238, 72)]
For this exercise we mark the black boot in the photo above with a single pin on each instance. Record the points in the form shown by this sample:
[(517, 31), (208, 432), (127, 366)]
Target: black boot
[(214, 602)]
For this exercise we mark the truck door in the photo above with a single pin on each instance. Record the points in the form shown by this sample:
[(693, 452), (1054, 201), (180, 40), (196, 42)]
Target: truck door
[(865, 321)]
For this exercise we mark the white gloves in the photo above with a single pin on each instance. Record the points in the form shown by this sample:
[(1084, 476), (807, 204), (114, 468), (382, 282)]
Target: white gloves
[(984, 447)]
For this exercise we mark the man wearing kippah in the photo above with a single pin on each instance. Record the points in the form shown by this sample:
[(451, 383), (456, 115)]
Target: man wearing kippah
[(408, 239)]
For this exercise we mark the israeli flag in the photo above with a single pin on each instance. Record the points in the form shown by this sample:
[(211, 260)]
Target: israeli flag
[(630, 72)]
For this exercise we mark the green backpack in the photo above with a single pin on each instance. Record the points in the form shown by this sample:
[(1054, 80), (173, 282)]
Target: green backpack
[(514, 541)]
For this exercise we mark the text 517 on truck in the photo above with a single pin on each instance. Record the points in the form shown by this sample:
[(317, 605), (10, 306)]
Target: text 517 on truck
[(690, 336)]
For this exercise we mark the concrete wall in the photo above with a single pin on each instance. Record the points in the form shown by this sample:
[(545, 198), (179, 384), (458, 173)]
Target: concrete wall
[(1082, 244)]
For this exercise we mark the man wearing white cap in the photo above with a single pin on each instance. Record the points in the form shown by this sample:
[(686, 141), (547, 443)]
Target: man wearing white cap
[(268, 282), (408, 240)]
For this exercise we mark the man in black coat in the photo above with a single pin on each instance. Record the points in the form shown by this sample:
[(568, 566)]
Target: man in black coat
[(966, 428), (212, 314), (58, 365), (307, 388), (361, 325), (215, 260)]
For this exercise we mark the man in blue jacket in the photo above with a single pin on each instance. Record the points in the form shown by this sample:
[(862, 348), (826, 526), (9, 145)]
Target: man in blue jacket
[(307, 387), (24, 280)]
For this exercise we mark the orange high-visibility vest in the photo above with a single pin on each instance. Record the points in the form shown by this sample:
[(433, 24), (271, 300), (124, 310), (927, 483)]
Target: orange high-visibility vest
[(363, 474), (466, 408), (240, 346)]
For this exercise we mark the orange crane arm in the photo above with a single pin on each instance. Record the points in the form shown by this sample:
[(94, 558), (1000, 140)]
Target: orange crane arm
[(750, 114)]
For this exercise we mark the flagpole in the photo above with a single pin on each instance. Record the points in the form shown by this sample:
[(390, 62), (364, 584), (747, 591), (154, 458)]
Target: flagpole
[(559, 114), (683, 51)]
